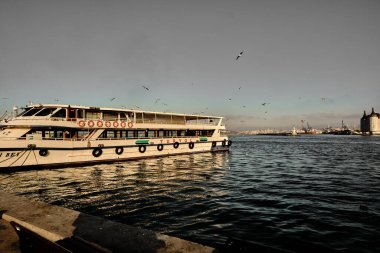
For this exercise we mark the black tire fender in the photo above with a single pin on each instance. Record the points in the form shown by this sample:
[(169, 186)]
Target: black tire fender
[(97, 152), (119, 150), (142, 149), (43, 152)]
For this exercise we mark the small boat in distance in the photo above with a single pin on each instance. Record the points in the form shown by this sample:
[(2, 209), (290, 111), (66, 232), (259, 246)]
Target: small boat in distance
[(51, 135)]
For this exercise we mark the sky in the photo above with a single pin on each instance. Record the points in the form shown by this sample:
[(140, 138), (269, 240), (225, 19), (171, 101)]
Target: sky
[(311, 61)]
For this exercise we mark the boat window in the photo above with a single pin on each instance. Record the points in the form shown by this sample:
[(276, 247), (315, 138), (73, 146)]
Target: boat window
[(31, 112), (149, 117), (126, 116), (131, 134), (190, 133), (60, 113), (139, 117), (72, 113), (123, 116), (23, 112), (82, 134), (163, 118), (48, 134), (46, 111), (110, 134), (80, 114), (92, 115), (140, 134), (178, 120), (110, 115)]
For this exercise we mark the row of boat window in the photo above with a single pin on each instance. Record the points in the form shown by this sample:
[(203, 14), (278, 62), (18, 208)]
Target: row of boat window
[(117, 134), (91, 114), (76, 113), (109, 134)]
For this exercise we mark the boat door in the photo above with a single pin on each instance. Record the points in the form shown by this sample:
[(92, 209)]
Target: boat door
[(72, 114)]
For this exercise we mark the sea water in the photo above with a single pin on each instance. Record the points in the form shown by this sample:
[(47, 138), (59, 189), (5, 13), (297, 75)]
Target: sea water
[(302, 194)]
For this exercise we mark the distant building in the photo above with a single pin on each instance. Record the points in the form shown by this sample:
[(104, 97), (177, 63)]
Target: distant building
[(370, 124)]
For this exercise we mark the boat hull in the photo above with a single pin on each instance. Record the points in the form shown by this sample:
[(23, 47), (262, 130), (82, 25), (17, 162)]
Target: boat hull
[(42, 154)]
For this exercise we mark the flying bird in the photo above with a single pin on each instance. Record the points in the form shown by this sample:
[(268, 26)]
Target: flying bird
[(263, 104), (230, 99), (112, 99), (241, 53), (145, 87)]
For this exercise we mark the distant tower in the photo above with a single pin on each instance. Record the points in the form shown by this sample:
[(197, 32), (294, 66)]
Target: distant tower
[(370, 124)]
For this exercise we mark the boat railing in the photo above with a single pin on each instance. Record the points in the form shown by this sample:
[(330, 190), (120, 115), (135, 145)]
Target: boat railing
[(86, 139), (208, 122), (152, 138)]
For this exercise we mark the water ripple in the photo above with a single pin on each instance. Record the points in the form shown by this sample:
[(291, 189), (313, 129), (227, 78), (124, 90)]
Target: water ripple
[(304, 194)]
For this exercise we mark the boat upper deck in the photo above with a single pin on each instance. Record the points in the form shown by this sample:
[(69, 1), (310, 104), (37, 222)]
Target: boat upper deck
[(83, 116)]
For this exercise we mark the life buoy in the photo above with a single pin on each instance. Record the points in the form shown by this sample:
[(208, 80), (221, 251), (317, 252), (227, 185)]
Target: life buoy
[(130, 124), (115, 124), (223, 143), (191, 145), (91, 123), (81, 123), (99, 123), (142, 149), (160, 147), (213, 144), (108, 124), (43, 152), (123, 124), (229, 143), (97, 152), (176, 145), (119, 150)]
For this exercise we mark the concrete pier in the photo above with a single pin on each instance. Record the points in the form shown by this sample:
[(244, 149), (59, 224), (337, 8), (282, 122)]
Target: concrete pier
[(68, 229)]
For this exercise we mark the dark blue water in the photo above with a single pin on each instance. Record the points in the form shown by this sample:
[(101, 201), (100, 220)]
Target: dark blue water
[(302, 194)]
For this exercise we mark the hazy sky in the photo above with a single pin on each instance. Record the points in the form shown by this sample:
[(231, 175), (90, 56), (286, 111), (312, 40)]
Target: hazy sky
[(317, 61)]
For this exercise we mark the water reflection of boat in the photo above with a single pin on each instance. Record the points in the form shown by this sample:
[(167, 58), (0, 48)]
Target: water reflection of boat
[(56, 135)]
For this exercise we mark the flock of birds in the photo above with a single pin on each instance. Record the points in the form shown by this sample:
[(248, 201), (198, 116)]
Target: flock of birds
[(158, 101)]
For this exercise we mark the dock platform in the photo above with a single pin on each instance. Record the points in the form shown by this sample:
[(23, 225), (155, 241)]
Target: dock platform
[(25, 221)]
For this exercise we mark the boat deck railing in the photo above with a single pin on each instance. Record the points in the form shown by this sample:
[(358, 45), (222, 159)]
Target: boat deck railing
[(209, 122), (110, 139)]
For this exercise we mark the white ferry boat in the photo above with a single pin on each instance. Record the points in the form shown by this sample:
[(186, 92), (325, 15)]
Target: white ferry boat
[(51, 135)]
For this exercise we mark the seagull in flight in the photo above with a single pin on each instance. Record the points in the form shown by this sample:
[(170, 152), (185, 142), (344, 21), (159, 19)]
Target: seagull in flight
[(263, 104), (241, 53), (112, 99), (145, 87)]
